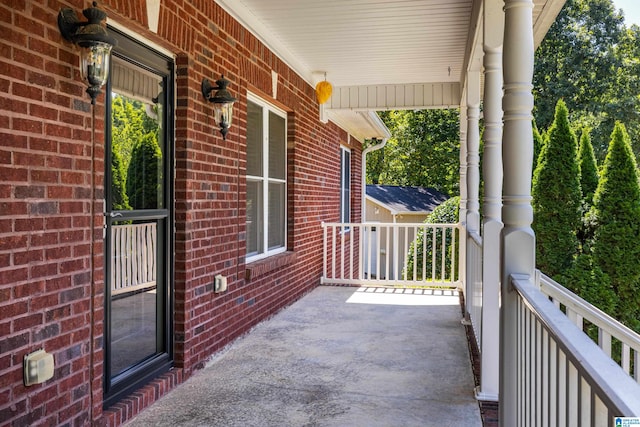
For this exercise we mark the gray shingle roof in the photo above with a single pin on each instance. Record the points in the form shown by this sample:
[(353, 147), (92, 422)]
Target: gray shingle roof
[(406, 199)]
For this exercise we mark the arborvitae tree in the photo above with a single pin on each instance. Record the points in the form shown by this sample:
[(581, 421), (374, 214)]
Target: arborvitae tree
[(616, 213), (145, 174), (588, 168), (538, 142), (588, 184), (119, 198), (556, 197)]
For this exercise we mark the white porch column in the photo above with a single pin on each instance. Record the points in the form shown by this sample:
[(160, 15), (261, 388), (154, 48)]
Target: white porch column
[(518, 239), (462, 263), (473, 177), (492, 201)]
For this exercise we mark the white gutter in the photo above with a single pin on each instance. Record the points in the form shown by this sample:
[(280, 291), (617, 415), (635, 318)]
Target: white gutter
[(373, 116)]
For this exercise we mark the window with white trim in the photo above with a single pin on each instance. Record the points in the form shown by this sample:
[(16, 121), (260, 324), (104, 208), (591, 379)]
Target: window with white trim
[(345, 185), (266, 179)]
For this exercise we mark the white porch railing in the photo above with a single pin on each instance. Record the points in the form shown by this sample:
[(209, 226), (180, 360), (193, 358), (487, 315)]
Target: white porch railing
[(611, 333), (473, 291), (133, 260), (562, 377), (391, 254)]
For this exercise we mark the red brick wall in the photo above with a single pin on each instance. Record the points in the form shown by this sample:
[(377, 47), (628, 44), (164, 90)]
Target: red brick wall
[(46, 275)]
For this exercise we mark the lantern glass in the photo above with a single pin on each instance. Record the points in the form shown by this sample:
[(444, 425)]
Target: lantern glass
[(223, 113), (94, 63)]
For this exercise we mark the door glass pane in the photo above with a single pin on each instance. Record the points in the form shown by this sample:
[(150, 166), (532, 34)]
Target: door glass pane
[(255, 212), (136, 238), (277, 154), (276, 214), (136, 157), (254, 139), (134, 263)]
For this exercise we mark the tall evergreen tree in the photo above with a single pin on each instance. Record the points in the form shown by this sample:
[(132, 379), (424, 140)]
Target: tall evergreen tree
[(588, 168), (588, 184), (616, 212), (557, 197), (589, 59), (145, 174), (119, 198), (538, 142)]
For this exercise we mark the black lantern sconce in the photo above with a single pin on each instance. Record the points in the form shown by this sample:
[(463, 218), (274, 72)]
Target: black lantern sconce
[(95, 45), (222, 103)]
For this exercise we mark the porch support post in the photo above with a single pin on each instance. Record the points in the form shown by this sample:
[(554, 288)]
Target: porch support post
[(492, 203), (518, 239), (462, 256), (473, 179)]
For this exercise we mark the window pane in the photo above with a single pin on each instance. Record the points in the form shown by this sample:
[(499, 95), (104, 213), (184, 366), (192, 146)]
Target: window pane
[(345, 186), (276, 215), (277, 147), (254, 217), (254, 139)]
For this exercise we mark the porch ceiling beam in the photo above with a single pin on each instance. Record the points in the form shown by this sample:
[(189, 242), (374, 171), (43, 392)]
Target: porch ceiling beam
[(396, 97)]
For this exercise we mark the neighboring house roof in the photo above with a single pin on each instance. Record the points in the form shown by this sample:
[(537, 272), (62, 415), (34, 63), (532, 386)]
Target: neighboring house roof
[(405, 199)]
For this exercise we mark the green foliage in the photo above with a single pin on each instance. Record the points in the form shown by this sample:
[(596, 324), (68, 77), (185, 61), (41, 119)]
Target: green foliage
[(587, 280), (557, 197), (616, 215), (423, 151), (538, 143), (119, 198), (145, 174), (445, 213), (590, 59), (588, 184), (375, 162), (588, 168)]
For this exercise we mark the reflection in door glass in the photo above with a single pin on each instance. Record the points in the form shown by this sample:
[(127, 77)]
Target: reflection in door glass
[(136, 157), (133, 293)]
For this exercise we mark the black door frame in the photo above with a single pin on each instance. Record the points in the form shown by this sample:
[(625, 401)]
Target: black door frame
[(117, 387)]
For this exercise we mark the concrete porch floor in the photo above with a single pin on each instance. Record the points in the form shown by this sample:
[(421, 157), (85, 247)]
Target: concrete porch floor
[(340, 356)]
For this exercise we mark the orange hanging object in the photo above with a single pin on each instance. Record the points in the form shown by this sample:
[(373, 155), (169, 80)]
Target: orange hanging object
[(323, 91)]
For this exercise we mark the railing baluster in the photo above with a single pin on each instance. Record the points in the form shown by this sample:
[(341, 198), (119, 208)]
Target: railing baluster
[(585, 403), (434, 247), (334, 251), (324, 250), (604, 341), (425, 237), (443, 253), (625, 357), (387, 259)]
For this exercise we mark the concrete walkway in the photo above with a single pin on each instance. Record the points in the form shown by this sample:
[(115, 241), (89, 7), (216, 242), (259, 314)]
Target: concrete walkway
[(338, 357)]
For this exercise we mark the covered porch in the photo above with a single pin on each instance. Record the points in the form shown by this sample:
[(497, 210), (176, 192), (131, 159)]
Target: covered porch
[(340, 356), (535, 359)]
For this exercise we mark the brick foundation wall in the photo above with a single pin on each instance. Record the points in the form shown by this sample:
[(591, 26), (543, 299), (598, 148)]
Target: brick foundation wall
[(51, 278)]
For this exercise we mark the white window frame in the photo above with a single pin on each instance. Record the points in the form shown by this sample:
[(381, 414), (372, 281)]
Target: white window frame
[(266, 179), (345, 183)]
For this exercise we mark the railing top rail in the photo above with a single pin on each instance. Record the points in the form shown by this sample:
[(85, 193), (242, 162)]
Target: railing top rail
[(594, 315), (615, 388), (388, 224)]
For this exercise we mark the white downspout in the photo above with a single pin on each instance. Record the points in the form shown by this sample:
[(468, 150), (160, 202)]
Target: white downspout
[(373, 116)]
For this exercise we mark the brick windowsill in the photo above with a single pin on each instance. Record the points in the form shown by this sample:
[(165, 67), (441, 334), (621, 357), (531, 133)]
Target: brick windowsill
[(267, 265)]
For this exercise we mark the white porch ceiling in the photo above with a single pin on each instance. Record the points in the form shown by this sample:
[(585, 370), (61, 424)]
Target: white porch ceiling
[(376, 42)]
